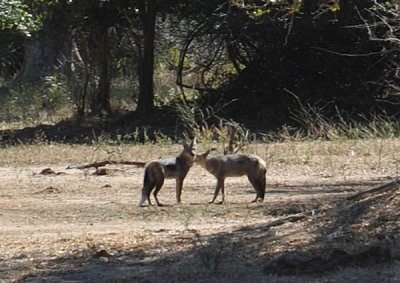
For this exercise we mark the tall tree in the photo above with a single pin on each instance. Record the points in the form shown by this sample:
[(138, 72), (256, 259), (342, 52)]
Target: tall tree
[(147, 13), (89, 60)]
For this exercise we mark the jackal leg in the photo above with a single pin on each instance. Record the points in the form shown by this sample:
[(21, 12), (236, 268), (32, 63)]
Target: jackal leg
[(262, 184), (159, 184), (179, 184), (257, 186), (220, 185), (223, 191)]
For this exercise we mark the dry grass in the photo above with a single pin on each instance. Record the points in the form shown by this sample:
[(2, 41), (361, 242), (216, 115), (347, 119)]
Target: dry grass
[(65, 154), (339, 157)]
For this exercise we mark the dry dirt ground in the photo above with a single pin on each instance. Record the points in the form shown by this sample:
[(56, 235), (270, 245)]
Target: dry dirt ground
[(72, 226)]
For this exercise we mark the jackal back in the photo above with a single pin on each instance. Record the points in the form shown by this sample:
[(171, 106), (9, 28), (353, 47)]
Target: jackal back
[(231, 165)]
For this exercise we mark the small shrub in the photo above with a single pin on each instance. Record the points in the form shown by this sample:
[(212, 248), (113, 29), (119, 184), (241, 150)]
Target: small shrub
[(42, 102)]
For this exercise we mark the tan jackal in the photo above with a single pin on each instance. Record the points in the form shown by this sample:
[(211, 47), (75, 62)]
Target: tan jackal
[(234, 165), (157, 170)]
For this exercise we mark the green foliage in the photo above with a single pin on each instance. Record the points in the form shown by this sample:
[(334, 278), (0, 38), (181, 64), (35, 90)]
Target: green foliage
[(37, 102), (174, 54), (15, 15), (243, 50), (307, 47)]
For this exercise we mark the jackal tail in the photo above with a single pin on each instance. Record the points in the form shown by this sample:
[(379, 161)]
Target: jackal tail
[(153, 177), (147, 183)]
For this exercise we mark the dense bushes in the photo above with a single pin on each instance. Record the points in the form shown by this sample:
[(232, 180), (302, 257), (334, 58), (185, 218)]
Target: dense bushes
[(262, 59)]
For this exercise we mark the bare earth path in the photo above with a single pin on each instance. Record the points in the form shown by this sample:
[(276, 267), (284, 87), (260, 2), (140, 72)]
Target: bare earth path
[(74, 226)]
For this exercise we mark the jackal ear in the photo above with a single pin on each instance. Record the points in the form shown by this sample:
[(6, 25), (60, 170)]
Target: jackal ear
[(205, 154), (194, 142), (191, 145)]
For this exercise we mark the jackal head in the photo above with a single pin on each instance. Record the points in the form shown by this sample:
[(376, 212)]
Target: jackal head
[(190, 150), (201, 158)]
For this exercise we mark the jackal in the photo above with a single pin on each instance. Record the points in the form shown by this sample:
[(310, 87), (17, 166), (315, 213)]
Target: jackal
[(157, 170), (234, 165)]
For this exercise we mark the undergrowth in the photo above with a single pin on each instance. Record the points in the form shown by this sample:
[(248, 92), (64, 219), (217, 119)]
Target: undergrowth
[(315, 123), (310, 122)]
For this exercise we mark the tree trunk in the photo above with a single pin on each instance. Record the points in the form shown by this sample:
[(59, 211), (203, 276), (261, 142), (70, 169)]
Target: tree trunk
[(105, 76), (76, 71), (100, 103), (41, 57), (146, 63), (30, 70)]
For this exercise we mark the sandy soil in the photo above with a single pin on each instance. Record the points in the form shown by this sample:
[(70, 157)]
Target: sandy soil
[(74, 226)]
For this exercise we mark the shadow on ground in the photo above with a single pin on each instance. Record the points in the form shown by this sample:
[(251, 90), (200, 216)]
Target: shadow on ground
[(360, 236)]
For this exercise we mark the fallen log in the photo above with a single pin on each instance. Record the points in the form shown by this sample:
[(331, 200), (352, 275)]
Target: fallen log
[(112, 162), (382, 188)]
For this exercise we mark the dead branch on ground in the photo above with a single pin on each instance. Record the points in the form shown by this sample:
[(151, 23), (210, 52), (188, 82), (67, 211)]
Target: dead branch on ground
[(107, 162), (380, 189)]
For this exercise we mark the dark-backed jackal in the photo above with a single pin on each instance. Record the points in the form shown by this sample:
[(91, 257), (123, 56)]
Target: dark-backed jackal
[(157, 170), (234, 165)]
